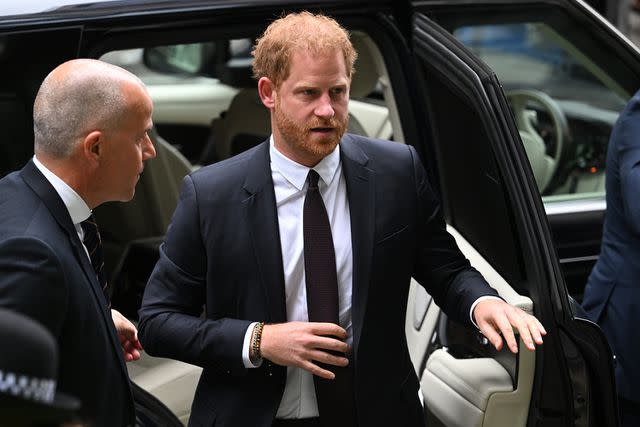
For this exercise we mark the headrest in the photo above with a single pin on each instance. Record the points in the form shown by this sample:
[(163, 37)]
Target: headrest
[(237, 72), (366, 76)]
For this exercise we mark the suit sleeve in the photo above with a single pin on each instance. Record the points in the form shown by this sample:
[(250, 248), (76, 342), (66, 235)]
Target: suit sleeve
[(627, 132), (32, 281), (170, 316), (439, 266)]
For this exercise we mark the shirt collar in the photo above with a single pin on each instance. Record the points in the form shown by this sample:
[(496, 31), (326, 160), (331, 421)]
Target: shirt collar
[(78, 209), (296, 173)]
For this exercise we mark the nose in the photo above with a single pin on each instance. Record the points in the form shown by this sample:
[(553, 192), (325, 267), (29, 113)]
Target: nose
[(149, 150), (325, 108)]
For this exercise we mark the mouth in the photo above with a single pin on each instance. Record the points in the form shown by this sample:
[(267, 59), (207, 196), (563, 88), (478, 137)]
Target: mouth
[(323, 130)]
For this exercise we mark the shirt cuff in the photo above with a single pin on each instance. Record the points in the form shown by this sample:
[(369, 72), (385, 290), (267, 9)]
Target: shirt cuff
[(473, 306), (245, 348)]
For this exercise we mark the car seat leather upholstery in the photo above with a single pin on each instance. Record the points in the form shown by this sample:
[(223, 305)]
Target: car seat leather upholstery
[(144, 220)]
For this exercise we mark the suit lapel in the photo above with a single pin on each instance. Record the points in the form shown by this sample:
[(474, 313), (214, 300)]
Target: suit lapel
[(43, 188), (262, 216), (360, 183)]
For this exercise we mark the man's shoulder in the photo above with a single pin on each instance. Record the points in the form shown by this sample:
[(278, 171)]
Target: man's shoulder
[(18, 204), (229, 170), (375, 146), (381, 152)]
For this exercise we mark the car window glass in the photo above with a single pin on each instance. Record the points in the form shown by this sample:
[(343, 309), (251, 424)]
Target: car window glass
[(564, 104), (476, 202)]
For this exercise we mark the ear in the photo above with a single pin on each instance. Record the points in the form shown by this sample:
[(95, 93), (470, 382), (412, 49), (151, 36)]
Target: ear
[(92, 146), (267, 91)]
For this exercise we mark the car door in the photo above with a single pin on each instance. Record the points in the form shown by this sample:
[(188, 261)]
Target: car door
[(493, 208)]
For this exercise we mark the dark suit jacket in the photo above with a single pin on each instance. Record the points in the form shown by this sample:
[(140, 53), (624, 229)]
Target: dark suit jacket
[(46, 274), (612, 294), (223, 250)]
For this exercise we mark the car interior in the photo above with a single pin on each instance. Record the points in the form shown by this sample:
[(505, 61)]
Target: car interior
[(564, 103), (566, 91)]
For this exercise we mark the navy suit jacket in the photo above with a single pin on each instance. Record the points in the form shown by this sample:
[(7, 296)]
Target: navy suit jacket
[(612, 294), (46, 274), (222, 251)]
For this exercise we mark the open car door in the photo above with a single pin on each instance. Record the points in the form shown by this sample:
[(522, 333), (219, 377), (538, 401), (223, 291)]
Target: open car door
[(495, 212)]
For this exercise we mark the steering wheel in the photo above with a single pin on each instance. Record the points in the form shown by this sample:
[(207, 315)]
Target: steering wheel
[(544, 159)]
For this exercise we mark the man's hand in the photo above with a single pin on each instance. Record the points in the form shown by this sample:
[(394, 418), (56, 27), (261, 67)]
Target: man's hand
[(495, 317), (302, 343), (128, 335)]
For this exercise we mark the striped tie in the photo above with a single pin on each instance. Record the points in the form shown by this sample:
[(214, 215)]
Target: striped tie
[(93, 243)]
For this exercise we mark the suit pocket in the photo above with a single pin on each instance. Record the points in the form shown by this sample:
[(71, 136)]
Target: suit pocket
[(391, 235)]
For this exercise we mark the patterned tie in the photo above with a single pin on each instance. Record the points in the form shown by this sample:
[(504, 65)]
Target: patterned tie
[(335, 397), (93, 243)]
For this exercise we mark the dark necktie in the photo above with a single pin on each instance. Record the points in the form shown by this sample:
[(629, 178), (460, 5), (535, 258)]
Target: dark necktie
[(93, 243), (335, 397)]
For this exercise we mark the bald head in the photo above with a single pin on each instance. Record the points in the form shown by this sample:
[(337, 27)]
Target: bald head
[(75, 98)]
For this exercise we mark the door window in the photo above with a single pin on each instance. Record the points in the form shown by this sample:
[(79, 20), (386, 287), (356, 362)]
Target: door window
[(565, 104)]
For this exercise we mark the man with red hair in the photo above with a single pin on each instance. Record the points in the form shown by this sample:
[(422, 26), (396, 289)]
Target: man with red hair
[(302, 250)]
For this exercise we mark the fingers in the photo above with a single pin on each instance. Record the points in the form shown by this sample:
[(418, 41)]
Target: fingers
[(503, 322), (317, 370), (326, 359), (330, 343), (131, 356), (491, 334), (505, 325), (536, 328), (305, 345), (123, 325), (328, 329), (130, 349)]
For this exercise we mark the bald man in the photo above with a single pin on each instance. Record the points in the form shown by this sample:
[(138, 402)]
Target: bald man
[(90, 140)]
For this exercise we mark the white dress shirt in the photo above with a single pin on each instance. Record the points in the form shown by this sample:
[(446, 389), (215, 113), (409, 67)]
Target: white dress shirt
[(78, 209)]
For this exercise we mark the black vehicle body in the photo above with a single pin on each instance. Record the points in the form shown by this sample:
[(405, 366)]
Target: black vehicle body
[(449, 104)]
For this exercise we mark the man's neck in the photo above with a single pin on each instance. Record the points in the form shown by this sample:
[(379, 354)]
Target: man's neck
[(68, 172)]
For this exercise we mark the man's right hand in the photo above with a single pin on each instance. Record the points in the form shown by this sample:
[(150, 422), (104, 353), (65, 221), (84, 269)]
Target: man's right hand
[(303, 343)]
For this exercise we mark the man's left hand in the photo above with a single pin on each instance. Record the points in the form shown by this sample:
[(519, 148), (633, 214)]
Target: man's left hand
[(495, 317), (128, 335)]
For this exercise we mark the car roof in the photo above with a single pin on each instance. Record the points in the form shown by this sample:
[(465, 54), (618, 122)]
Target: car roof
[(36, 10)]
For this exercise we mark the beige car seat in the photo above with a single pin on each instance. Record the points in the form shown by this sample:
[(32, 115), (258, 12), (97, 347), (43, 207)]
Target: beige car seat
[(143, 220), (366, 77)]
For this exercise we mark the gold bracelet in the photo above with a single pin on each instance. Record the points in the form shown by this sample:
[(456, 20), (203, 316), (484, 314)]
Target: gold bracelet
[(256, 337)]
